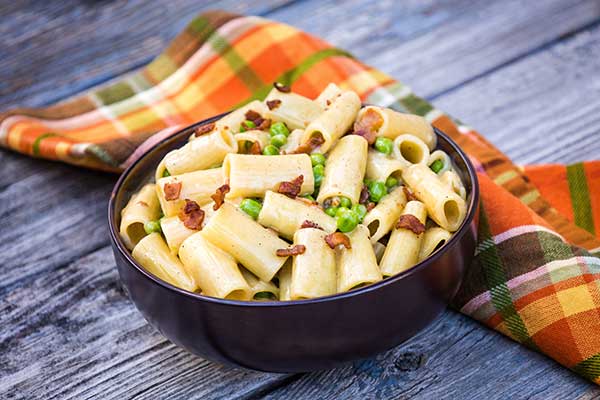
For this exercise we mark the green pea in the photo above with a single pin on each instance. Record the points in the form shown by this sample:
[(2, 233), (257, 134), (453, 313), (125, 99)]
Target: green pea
[(331, 211), (384, 145), (309, 197), (376, 191), (317, 159), (318, 172), (390, 182), (346, 220), (251, 207), (166, 173), (270, 150), (368, 182), (152, 226), (264, 296), (345, 202), (437, 166), (278, 140), (279, 128), (247, 125), (359, 210)]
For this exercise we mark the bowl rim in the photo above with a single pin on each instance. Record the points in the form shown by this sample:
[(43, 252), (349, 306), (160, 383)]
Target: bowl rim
[(120, 246)]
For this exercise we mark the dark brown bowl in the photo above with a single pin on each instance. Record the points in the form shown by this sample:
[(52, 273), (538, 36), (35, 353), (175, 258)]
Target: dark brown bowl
[(303, 335)]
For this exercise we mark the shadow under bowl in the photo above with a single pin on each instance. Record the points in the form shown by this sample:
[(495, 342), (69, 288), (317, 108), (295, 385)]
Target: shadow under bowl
[(304, 335)]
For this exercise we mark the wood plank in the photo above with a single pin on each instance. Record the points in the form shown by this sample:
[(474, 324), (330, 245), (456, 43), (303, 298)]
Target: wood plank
[(434, 46), (72, 333), (543, 108), (51, 50)]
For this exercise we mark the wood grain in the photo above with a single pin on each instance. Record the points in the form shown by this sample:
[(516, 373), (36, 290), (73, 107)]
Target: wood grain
[(68, 329)]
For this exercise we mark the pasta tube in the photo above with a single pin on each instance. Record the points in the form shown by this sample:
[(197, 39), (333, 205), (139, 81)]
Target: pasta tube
[(452, 179), (314, 271), (285, 281), (357, 265), (410, 150), (380, 166), (390, 124), (293, 141), (382, 218), (345, 169), (444, 206), (433, 238), (286, 215), (175, 232), (253, 136), (328, 94), (197, 186), (142, 207), (215, 271), (443, 158), (203, 152), (296, 111), (260, 290), (232, 121), (379, 249), (402, 250), (251, 244), (334, 121), (154, 255), (252, 176)]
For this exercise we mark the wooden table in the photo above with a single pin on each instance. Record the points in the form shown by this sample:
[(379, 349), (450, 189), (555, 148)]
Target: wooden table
[(525, 73)]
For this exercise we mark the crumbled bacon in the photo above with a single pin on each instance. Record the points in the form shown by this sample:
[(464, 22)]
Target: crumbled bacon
[(259, 122), (314, 142), (192, 215), (255, 148), (291, 189), (204, 129), (410, 222), (291, 251), (409, 194), (368, 125), (281, 87), (328, 102), (336, 238), (263, 123), (364, 195), (331, 202), (172, 190), (310, 224), (273, 104), (252, 115), (219, 196), (370, 206), (143, 203)]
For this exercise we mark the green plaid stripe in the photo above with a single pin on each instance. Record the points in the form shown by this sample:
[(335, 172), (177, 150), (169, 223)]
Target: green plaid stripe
[(580, 197)]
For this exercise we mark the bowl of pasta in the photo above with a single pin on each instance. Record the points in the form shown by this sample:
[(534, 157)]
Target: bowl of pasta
[(295, 234)]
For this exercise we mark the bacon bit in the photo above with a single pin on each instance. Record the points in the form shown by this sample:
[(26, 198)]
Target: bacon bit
[(281, 87), (410, 222), (328, 102), (310, 224), (219, 196), (172, 190), (368, 125), (364, 195), (291, 251), (262, 123), (252, 115), (192, 215), (273, 104), (409, 194), (314, 142), (204, 129), (336, 238), (291, 189), (255, 148), (143, 203), (370, 206)]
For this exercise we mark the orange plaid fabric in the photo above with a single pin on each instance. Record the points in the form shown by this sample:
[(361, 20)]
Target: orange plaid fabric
[(536, 273)]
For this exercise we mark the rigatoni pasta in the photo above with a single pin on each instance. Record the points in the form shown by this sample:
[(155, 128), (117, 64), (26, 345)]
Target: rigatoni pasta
[(292, 198)]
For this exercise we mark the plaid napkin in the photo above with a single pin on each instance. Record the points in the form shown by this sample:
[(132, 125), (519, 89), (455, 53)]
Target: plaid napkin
[(536, 275)]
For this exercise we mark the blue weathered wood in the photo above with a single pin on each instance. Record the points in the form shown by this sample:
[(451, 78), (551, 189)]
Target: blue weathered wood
[(69, 331)]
